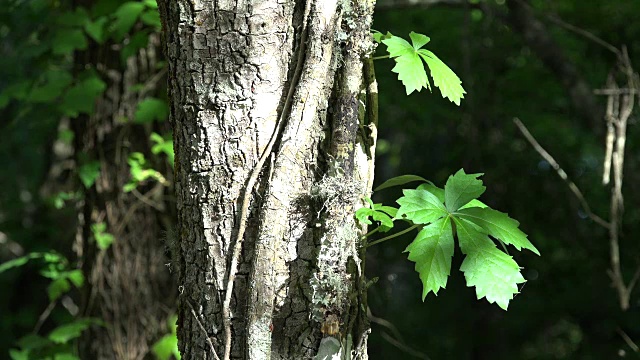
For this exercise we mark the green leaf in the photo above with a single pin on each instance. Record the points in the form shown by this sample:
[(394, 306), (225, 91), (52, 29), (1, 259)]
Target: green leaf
[(410, 68), (151, 109), (76, 277), (408, 64), (136, 42), (462, 188), (95, 29), (57, 288), (390, 210), (33, 342), (151, 18), (103, 238), (50, 258), (499, 225), (66, 41), (494, 274), (400, 180), (66, 136), (420, 206), (14, 263), (166, 347), (81, 97), (438, 192), (386, 223), (64, 333), (444, 78), (163, 144), (89, 173), (65, 356), (125, 17), (75, 18), (55, 81), (15, 354), (378, 36), (432, 250), (153, 4)]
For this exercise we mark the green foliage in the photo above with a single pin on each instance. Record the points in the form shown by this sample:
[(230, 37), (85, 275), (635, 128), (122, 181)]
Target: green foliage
[(409, 59), (151, 109), (163, 145), (167, 346), (494, 274), (141, 172), (80, 98), (400, 180), (379, 213), (103, 238), (58, 344), (89, 172)]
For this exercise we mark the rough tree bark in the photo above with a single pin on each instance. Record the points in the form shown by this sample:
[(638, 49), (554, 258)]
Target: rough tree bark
[(128, 285), (279, 84)]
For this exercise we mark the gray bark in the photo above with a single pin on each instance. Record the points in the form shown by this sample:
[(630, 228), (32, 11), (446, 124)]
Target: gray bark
[(299, 276)]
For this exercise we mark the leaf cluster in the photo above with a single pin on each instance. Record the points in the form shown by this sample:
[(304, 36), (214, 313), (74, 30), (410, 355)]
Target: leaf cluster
[(409, 58), (441, 215)]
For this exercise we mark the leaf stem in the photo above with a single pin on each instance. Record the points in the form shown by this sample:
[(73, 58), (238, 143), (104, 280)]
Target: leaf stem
[(380, 57), (393, 235), (371, 232)]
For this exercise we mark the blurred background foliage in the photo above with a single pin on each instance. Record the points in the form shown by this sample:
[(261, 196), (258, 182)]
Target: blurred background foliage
[(568, 308)]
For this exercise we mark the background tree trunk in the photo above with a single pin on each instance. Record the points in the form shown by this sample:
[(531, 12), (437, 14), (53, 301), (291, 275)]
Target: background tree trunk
[(128, 285), (244, 75)]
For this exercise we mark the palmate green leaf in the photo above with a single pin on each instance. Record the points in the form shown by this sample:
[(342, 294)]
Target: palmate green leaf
[(494, 274), (420, 206), (444, 78), (499, 225), (432, 250), (410, 68), (461, 188), (81, 97), (125, 17)]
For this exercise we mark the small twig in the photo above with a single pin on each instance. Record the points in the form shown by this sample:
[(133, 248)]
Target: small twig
[(628, 340), (206, 335), (615, 91), (396, 339), (584, 33), (634, 280), (563, 175), (44, 316), (392, 235)]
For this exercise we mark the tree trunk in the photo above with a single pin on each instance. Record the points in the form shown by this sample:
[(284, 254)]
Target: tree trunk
[(273, 155), (128, 285)]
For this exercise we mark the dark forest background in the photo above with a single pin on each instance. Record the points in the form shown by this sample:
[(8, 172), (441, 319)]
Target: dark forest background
[(539, 61)]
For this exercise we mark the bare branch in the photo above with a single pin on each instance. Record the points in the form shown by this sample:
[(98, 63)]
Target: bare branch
[(628, 340), (396, 339), (563, 175)]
